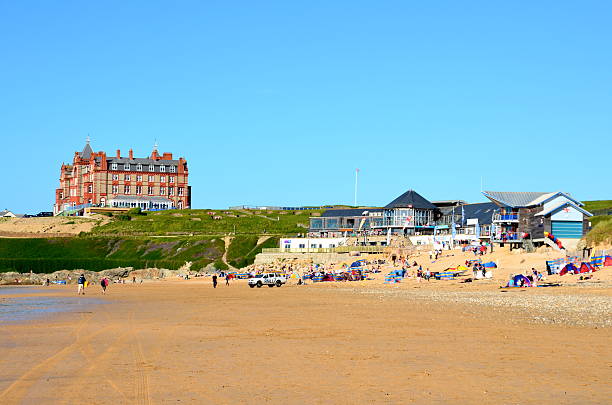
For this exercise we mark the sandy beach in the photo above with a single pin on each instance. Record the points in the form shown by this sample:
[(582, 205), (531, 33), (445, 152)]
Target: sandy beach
[(181, 341)]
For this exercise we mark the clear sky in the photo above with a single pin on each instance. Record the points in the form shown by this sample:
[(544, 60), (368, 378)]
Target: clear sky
[(277, 102)]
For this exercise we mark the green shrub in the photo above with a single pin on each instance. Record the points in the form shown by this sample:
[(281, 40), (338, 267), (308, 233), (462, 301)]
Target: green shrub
[(220, 265), (124, 217), (135, 211)]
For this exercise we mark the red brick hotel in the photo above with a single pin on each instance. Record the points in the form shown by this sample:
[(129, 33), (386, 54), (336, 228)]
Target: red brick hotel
[(154, 182)]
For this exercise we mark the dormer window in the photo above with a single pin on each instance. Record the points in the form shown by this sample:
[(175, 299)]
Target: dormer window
[(151, 168), (162, 169), (114, 166), (126, 166), (139, 167), (172, 169)]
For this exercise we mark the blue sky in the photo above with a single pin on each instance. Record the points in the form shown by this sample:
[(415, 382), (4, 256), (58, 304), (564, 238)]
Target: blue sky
[(277, 102)]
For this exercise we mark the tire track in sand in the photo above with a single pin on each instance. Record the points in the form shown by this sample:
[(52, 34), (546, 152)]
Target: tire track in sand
[(19, 388), (142, 391)]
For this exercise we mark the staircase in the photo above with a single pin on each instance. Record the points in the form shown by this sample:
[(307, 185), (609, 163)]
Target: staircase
[(528, 245)]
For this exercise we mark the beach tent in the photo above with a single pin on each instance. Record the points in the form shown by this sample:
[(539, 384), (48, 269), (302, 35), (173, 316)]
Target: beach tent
[(568, 268), (608, 261), (358, 263), (490, 265), (461, 268), (586, 267), (525, 281), (519, 281)]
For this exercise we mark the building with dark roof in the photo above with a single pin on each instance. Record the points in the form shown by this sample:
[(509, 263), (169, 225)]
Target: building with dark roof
[(528, 217), (408, 214), (341, 222), (95, 179)]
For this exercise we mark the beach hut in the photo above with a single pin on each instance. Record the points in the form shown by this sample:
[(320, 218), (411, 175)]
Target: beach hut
[(568, 268), (586, 267)]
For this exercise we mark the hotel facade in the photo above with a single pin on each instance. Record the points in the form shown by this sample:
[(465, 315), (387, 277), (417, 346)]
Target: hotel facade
[(95, 179)]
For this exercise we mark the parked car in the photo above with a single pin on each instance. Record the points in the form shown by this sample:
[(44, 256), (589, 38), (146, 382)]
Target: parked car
[(269, 279)]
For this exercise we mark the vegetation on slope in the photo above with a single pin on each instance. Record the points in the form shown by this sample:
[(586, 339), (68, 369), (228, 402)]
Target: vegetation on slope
[(244, 248), (601, 232), (597, 205), (99, 253), (211, 222)]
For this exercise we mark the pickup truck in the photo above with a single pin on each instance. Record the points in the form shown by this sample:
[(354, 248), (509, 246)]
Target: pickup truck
[(269, 279)]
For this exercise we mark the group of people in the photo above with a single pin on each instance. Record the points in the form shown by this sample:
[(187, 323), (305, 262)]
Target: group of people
[(82, 283), (479, 250)]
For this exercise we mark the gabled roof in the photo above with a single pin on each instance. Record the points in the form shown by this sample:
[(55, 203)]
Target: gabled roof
[(349, 212), (561, 205), (87, 151), (411, 199), (514, 199), (545, 198)]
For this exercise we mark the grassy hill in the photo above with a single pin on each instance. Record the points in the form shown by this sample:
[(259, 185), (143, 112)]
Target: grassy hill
[(99, 253), (210, 222)]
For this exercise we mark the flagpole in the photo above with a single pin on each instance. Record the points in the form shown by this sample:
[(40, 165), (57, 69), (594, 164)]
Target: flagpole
[(356, 175)]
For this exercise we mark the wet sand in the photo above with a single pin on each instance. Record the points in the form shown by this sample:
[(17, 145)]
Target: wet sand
[(185, 342)]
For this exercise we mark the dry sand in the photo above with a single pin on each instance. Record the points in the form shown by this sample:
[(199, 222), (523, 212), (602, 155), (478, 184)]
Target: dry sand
[(182, 341), (44, 227)]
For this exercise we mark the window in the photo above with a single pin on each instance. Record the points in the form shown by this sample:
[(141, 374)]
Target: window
[(180, 191), (115, 177), (162, 169), (162, 191), (172, 169), (139, 167), (171, 190), (139, 178), (151, 168), (114, 166), (126, 189), (180, 205), (162, 179), (150, 190), (302, 246), (138, 190), (128, 177), (287, 245), (115, 189), (126, 166), (61, 195), (90, 189), (151, 178), (171, 179)]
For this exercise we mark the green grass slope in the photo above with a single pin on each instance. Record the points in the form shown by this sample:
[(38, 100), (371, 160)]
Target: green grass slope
[(99, 253), (244, 248), (601, 232), (210, 222)]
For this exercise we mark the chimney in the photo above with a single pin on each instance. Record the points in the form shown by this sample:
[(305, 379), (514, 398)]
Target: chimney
[(131, 154), (167, 156), (118, 153)]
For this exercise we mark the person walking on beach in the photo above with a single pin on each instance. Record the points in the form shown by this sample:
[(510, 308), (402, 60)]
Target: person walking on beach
[(214, 281), (227, 279), (81, 282), (104, 284)]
